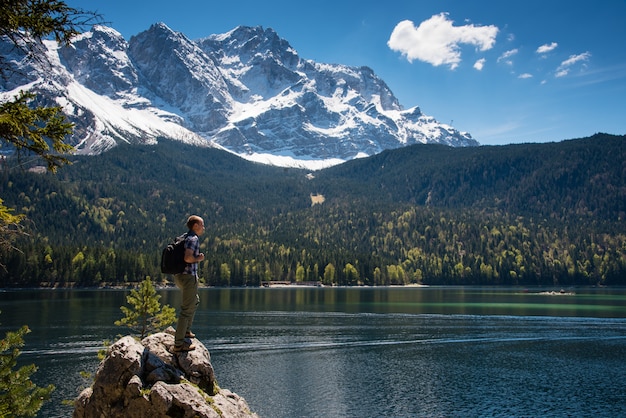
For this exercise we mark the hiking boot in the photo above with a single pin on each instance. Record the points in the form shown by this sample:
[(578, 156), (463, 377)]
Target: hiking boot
[(190, 334), (183, 348)]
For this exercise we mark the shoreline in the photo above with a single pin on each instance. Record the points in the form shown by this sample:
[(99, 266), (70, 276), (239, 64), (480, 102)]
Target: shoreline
[(544, 290)]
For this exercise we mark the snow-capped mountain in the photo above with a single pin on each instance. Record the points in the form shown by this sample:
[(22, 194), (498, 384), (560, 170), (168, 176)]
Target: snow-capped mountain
[(246, 91)]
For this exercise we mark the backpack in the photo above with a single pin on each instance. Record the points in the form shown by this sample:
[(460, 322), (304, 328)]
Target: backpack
[(173, 256)]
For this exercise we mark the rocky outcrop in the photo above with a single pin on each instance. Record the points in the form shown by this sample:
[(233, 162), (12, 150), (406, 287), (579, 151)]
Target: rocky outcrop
[(144, 379)]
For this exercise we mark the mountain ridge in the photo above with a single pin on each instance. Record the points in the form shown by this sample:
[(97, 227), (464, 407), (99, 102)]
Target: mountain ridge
[(246, 91), (524, 214)]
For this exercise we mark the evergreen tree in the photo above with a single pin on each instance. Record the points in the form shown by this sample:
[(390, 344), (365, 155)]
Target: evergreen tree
[(9, 228), (146, 315), (19, 396)]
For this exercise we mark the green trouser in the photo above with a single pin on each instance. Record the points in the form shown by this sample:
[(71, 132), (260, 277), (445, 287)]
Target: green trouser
[(188, 283)]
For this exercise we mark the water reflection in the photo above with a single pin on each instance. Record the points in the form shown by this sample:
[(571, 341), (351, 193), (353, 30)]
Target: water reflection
[(365, 351), (440, 300)]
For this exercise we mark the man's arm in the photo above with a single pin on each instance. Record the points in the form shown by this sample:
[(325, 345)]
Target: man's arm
[(191, 258)]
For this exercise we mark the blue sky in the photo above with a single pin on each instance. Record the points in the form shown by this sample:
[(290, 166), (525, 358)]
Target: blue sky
[(504, 71)]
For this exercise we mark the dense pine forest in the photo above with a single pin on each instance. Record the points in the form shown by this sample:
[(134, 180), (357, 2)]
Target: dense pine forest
[(528, 214)]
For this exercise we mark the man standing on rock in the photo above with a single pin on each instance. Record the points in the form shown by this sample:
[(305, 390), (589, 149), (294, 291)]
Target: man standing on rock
[(187, 282)]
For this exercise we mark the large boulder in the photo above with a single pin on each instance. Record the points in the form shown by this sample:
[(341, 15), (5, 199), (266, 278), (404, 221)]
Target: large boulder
[(144, 379), (195, 365)]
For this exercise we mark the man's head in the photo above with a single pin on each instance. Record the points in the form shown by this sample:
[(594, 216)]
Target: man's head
[(195, 224)]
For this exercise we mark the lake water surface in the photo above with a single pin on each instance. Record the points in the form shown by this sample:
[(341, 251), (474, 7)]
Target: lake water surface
[(364, 352)]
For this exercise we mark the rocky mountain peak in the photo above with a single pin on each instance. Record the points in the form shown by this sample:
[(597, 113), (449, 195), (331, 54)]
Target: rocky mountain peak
[(98, 60), (246, 91)]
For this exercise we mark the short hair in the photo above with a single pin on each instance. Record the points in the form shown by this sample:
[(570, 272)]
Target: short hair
[(192, 220)]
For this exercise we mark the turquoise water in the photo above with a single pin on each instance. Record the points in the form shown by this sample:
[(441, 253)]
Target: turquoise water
[(365, 352)]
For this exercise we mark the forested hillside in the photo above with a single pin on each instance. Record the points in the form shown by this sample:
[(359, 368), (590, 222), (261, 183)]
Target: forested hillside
[(549, 214)]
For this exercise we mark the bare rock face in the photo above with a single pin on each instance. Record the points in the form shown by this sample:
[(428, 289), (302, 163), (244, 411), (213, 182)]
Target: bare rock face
[(144, 379)]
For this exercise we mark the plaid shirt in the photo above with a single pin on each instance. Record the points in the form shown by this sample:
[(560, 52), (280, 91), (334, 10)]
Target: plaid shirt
[(193, 243)]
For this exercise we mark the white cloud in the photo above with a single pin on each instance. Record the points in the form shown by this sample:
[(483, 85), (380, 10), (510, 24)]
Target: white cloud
[(544, 49), (566, 65), (479, 64), (525, 75), (506, 55), (573, 59), (436, 41)]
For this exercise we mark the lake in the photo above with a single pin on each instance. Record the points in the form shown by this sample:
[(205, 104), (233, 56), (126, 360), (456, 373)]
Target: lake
[(364, 352)]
